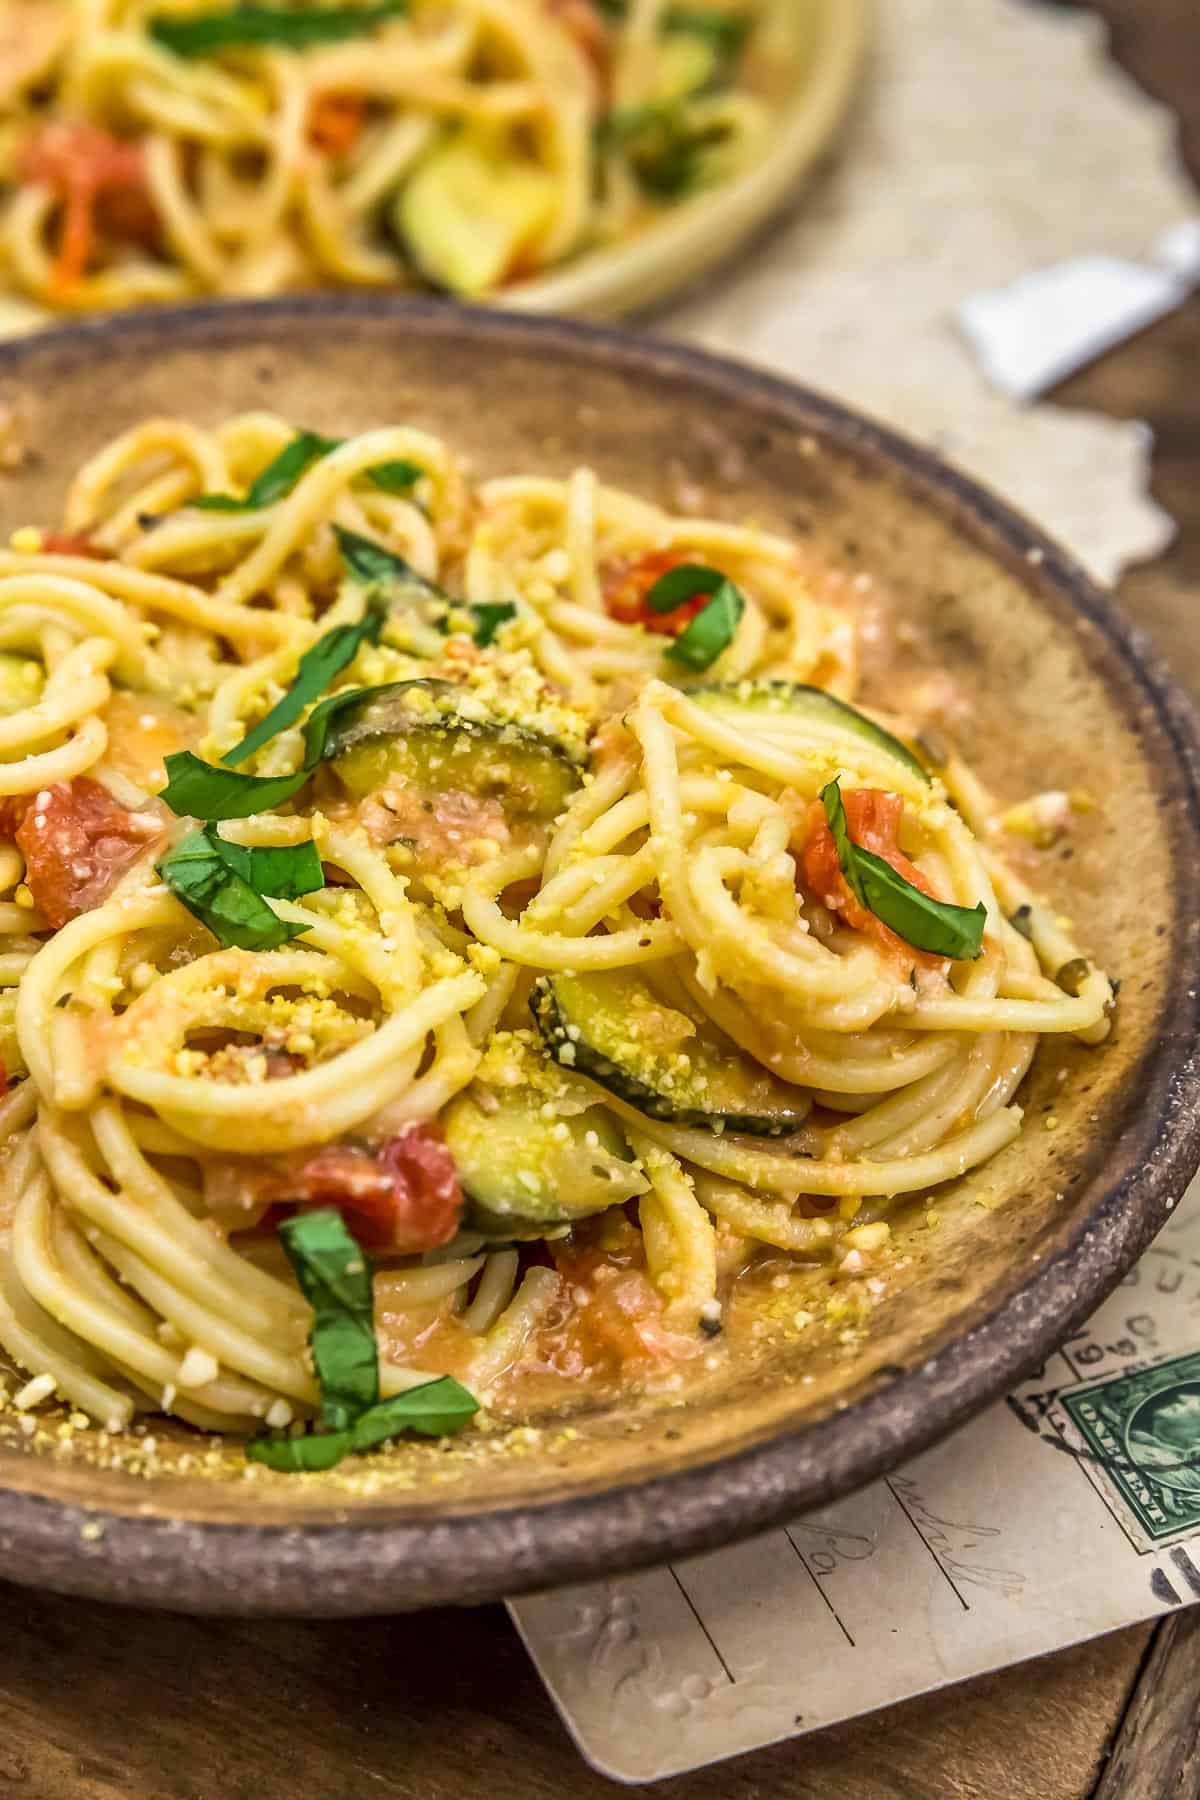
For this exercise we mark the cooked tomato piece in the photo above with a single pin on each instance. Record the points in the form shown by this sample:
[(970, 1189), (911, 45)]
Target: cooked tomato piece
[(100, 180), (336, 121), (617, 1319), (77, 842), (873, 817), (628, 582), (405, 1197)]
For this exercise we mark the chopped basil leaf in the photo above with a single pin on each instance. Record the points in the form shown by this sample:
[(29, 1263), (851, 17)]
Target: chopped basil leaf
[(335, 1277), (334, 1273), (280, 476), (280, 871), (711, 631), (206, 34), (223, 885), (299, 1455), (682, 584), (314, 672), (835, 815), (375, 565), (277, 480), (398, 476), (931, 925), (200, 790), (434, 1409), (489, 616), (218, 503), (664, 146)]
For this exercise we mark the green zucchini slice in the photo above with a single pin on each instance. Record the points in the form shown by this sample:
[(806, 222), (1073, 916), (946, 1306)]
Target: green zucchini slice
[(743, 701), (436, 737), (538, 1154), (470, 210), (612, 1027)]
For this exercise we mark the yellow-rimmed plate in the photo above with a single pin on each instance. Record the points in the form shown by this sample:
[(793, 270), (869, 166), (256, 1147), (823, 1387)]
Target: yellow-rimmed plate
[(819, 49)]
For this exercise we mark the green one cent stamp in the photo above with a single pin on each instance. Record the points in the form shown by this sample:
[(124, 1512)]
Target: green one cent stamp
[(1143, 1428)]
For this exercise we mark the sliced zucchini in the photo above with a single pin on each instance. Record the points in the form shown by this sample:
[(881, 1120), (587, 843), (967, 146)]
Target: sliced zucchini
[(436, 737), (532, 1148), (731, 701), (21, 682), (469, 211), (669, 1065)]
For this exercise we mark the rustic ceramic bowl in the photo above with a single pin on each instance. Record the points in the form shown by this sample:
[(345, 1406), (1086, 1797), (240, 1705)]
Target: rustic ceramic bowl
[(1061, 694)]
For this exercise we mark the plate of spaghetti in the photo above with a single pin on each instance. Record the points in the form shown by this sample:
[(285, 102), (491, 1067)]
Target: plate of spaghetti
[(573, 974), (567, 155)]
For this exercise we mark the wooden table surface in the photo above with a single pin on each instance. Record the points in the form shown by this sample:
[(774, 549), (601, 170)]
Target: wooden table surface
[(98, 1704)]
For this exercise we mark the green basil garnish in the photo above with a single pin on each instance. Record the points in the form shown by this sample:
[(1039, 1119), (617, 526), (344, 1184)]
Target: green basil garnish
[(200, 790), (666, 148), (314, 672), (277, 480), (489, 616), (679, 585), (399, 476), (280, 476), (931, 925), (334, 1273), (206, 34), (375, 566), (223, 885), (435, 1409), (382, 572), (711, 631)]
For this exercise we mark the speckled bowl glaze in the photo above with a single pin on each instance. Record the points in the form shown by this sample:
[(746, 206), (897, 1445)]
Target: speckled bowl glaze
[(1061, 691)]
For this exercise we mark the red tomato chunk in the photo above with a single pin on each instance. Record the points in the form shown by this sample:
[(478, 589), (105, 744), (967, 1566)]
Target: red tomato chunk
[(77, 842), (101, 183), (403, 1198)]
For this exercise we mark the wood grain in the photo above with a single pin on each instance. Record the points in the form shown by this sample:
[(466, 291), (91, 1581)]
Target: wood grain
[(1157, 1756), (99, 1704)]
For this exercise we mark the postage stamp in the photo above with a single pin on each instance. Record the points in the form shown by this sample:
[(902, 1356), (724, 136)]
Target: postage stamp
[(1142, 1430)]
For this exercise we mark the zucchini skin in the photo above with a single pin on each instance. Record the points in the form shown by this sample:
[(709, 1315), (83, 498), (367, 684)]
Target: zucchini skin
[(798, 697), (566, 1040), (422, 731), (525, 1175)]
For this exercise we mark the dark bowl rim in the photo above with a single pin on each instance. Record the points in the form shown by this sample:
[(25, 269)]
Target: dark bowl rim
[(363, 1567)]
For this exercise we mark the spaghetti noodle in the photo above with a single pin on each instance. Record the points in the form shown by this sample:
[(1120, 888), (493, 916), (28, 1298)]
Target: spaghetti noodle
[(155, 150), (502, 872)]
